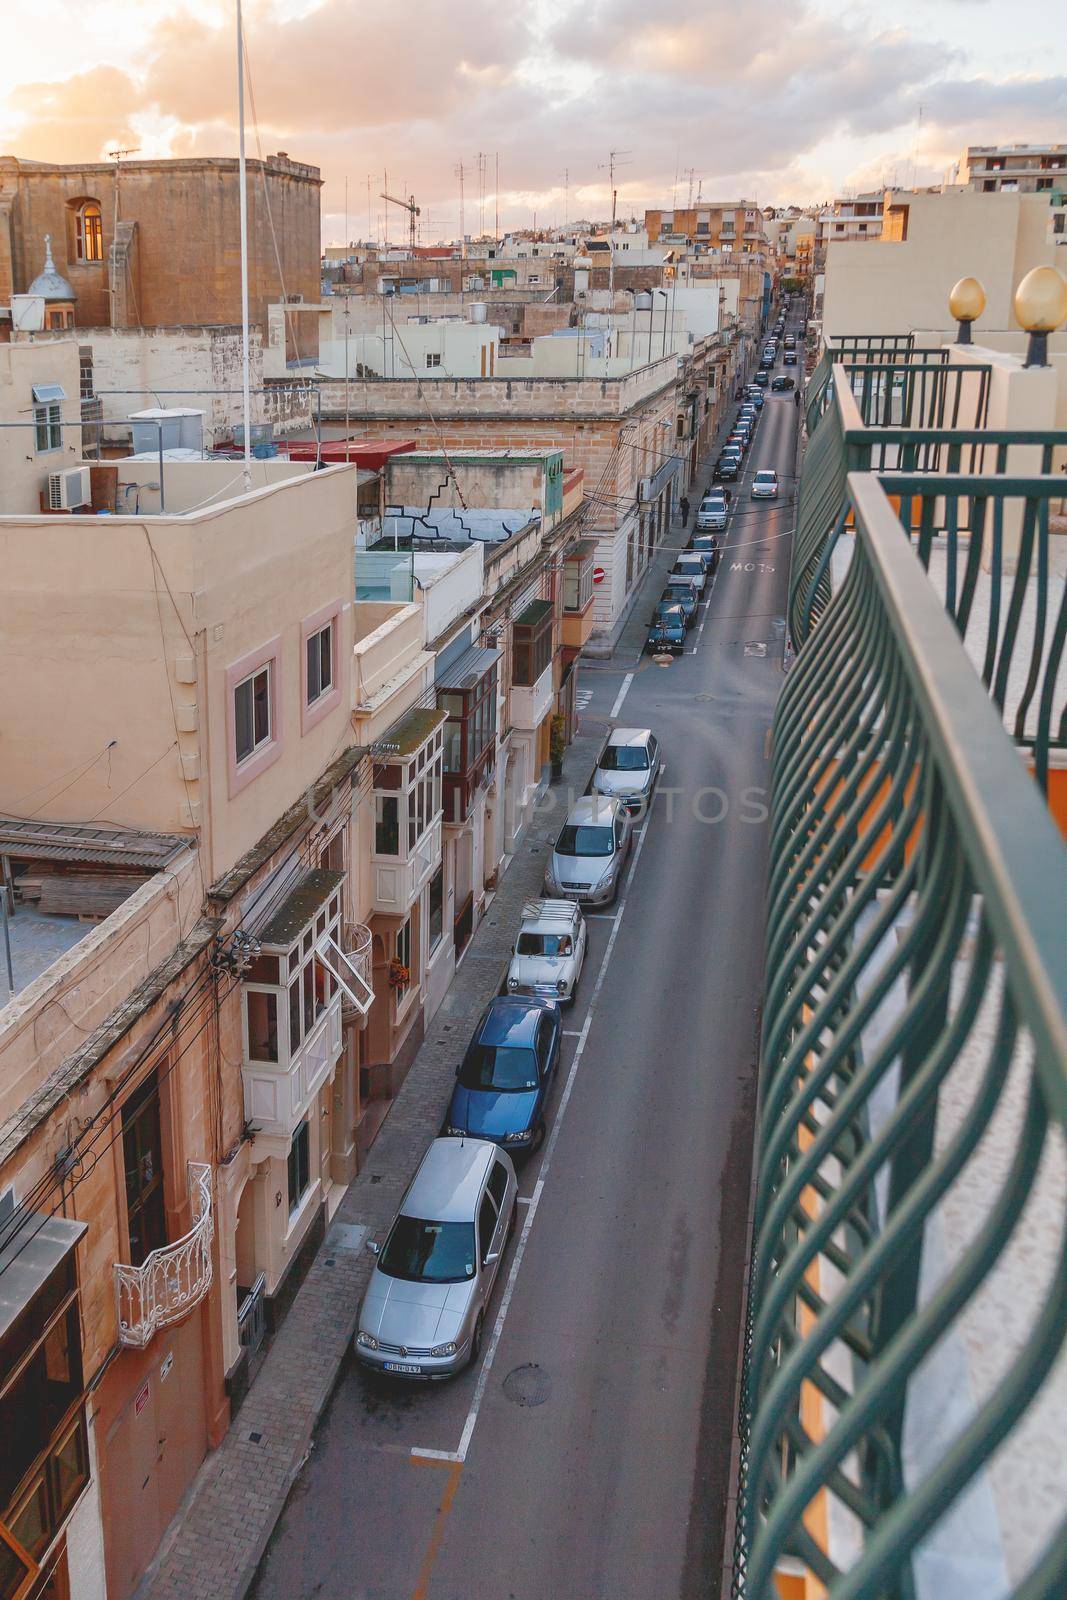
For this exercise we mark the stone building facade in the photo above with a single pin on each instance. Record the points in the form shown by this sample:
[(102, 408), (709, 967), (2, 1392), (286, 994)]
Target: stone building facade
[(157, 243)]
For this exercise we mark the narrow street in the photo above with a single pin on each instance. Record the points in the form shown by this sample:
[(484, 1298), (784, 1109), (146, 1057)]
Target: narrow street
[(587, 1455)]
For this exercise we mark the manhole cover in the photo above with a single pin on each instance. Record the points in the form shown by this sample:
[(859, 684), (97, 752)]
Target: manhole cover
[(755, 647), (528, 1386)]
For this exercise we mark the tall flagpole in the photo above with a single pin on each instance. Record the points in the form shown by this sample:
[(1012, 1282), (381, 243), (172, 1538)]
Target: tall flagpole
[(244, 252)]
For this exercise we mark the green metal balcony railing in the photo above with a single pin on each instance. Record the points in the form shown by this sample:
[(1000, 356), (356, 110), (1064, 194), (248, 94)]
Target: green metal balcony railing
[(845, 397), (914, 1069), (959, 490)]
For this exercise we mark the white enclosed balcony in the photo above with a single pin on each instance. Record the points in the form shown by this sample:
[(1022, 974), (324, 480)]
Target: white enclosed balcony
[(171, 1280), (293, 993), (407, 811), (530, 706)]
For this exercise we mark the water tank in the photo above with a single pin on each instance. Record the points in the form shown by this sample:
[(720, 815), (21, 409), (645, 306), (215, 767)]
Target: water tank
[(478, 311), (182, 428), (643, 300)]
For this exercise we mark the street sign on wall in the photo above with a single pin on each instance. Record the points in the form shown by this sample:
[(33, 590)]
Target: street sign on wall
[(599, 574)]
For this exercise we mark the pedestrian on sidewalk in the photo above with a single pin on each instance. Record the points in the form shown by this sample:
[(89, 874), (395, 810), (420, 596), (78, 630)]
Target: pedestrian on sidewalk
[(684, 504)]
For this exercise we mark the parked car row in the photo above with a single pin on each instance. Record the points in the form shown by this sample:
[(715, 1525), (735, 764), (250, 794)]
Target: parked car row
[(424, 1309)]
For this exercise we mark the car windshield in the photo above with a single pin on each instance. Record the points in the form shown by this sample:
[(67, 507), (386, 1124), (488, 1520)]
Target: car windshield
[(428, 1252), (544, 944), (580, 839), (625, 758), (764, 477), (504, 1067)]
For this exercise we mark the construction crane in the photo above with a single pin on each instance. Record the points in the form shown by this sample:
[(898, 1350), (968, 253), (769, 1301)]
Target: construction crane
[(412, 210)]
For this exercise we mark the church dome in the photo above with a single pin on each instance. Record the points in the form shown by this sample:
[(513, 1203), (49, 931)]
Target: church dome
[(49, 283)]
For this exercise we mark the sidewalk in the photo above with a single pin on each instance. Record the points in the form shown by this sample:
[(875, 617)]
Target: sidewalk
[(213, 1548)]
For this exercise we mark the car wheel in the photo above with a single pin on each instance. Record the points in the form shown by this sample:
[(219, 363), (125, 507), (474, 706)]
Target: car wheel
[(476, 1339), (539, 1136)]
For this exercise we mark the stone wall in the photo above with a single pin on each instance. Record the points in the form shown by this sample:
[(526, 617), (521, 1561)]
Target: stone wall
[(179, 236)]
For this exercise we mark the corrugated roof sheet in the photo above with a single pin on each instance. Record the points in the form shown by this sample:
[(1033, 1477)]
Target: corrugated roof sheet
[(468, 668), (69, 841)]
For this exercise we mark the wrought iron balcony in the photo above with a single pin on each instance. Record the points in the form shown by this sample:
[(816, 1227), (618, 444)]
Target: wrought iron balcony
[(171, 1280), (903, 1406)]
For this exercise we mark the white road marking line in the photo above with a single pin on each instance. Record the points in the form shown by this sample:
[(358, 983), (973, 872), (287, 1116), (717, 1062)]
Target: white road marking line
[(571, 1033), (621, 696), (600, 916), (522, 1199), (535, 1199), (435, 1455)]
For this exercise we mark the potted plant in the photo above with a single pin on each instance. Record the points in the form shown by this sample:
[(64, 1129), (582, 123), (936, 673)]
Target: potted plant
[(399, 975), (557, 745)]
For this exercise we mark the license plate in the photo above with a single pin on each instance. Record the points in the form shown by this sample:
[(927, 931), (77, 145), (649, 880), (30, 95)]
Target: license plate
[(402, 1366)]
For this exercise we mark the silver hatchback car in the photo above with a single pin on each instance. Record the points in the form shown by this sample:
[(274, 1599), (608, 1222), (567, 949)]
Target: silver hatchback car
[(589, 856), (424, 1309), (628, 766)]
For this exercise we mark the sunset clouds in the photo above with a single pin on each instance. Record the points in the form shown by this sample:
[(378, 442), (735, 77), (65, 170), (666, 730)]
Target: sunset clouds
[(777, 99)]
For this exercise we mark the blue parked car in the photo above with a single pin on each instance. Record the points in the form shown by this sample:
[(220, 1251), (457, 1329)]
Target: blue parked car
[(503, 1082)]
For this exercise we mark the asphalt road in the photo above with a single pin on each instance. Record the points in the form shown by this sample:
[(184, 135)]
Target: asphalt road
[(587, 1457)]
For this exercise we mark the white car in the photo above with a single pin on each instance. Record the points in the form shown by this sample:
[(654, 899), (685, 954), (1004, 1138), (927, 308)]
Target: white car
[(549, 951), (690, 566), (628, 766), (712, 514), (765, 485)]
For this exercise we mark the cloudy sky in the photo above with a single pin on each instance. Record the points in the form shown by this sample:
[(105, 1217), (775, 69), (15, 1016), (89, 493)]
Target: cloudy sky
[(777, 99)]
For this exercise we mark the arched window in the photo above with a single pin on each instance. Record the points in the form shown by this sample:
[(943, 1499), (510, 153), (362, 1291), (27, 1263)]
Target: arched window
[(89, 232)]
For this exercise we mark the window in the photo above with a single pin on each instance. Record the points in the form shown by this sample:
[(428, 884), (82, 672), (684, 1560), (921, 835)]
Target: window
[(40, 1380), (424, 802), (433, 359), (577, 581), (252, 713), (299, 1166), (262, 1026), (351, 983), (436, 917), (386, 825), (1044, 183), (403, 959), (142, 1153), (532, 643), (319, 664), (48, 427), (486, 1227), (498, 1183), (89, 233)]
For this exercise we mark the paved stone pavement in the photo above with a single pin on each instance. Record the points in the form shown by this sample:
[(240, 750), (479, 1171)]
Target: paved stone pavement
[(215, 1544)]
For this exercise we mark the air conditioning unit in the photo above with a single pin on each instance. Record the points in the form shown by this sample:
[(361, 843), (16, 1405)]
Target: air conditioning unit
[(70, 490), (644, 489)]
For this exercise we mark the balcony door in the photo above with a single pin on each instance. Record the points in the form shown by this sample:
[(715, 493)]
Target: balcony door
[(142, 1153)]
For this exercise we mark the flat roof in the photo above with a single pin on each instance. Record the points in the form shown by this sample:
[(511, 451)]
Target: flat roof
[(38, 938), (300, 905)]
